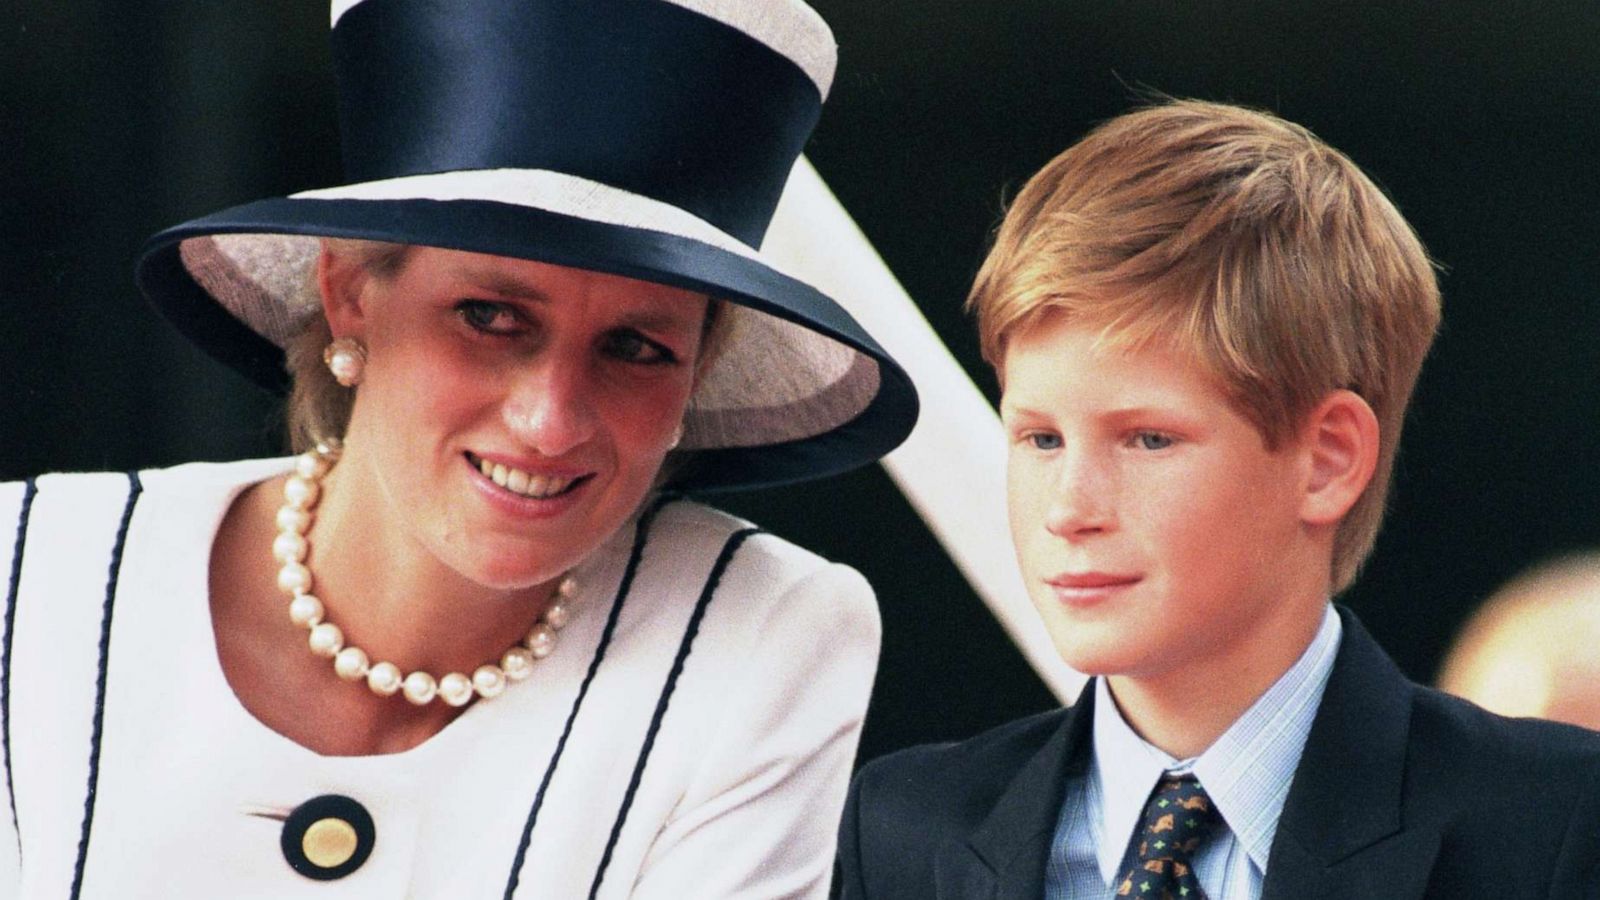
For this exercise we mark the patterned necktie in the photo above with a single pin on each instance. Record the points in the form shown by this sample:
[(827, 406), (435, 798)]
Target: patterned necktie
[(1175, 821)]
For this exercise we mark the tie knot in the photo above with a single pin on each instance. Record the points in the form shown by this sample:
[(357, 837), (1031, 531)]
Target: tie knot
[(1176, 818)]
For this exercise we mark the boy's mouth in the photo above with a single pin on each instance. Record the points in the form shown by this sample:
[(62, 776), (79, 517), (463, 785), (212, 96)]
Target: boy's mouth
[(1085, 590), (1090, 580)]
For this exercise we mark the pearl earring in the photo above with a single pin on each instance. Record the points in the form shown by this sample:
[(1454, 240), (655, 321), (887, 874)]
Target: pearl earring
[(347, 360)]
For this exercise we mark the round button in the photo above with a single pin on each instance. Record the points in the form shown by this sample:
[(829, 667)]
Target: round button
[(327, 837), (329, 843)]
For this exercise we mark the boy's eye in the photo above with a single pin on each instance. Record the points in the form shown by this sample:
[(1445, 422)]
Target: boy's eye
[(488, 317), (629, 345), (1043, 440), (1152, 440)]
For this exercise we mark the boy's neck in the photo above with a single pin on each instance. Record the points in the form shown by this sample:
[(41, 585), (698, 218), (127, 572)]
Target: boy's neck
[(1182, 711)]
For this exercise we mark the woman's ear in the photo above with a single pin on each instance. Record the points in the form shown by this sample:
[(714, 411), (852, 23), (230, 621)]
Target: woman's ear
[(340, 280), (1340, 440)]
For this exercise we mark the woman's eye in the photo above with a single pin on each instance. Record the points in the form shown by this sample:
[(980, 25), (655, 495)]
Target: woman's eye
[(629, 345), (487, 317), (1041, 440), (1152, 440)]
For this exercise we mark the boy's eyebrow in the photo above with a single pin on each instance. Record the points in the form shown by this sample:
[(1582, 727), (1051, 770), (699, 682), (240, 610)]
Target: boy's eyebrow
[(1136, 410), (1009, 409), (1131, 411)]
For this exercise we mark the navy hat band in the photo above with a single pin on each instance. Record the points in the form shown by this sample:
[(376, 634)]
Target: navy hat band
[(649, 97)]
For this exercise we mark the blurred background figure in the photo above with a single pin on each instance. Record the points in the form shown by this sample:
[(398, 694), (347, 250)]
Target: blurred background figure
[(1533, 648)]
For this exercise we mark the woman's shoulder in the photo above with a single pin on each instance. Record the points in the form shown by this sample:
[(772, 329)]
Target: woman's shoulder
[(63, 510), (206, 477), (64, 514), (762, 612), (753, 554), (171, 478)]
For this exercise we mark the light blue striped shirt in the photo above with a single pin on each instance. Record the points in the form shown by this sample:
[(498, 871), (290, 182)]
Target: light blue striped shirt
[(1246, 772)]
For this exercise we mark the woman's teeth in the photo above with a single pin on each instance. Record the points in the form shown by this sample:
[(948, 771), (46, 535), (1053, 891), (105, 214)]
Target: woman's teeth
[(520, 482)]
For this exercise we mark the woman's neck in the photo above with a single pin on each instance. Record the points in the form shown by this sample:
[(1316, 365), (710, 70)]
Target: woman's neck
[(393, 600)]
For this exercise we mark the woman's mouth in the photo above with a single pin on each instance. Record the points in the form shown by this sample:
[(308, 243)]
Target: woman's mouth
[(524, 483)]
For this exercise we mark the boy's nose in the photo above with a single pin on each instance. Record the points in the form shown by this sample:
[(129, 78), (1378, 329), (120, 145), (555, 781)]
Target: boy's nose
[(1080, 500), (550, 407)]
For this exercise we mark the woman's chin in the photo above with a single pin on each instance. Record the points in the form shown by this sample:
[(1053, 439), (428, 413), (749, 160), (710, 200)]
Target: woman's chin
[(513, 576), (502, 563)]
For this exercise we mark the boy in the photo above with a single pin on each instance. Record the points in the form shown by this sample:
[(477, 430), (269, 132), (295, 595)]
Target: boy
[(1206, 324)]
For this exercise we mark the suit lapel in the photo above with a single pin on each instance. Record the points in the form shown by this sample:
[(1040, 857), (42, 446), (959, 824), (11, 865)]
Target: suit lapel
[(1395, 868), (1342, 834), (1005, 856)]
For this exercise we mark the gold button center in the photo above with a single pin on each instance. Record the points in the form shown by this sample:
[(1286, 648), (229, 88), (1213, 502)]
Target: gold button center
[(329, 842)]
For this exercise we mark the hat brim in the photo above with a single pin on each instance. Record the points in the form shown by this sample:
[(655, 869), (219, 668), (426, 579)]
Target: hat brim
[(732, 453)]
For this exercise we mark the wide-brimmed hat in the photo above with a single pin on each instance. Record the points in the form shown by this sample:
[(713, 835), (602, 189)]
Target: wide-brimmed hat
[(645, 138)]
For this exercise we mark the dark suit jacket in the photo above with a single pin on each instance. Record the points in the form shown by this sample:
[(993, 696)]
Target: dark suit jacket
[(1402, 793)]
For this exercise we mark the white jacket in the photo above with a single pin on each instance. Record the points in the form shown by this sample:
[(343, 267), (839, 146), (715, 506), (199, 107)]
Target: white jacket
[(134, 771)]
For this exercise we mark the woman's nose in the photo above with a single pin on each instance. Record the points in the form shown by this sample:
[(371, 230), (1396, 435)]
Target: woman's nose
[(1081, 498), (550, 406)]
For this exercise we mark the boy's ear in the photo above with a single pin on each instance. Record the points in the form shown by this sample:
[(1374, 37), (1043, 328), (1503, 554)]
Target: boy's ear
[(1340, 440), (340, 281)]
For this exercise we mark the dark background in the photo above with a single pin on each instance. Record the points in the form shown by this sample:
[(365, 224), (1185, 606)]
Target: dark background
[(118, 118)]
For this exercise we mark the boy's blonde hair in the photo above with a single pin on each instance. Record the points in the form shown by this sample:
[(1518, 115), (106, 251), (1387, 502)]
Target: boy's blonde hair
[(1242, 240)]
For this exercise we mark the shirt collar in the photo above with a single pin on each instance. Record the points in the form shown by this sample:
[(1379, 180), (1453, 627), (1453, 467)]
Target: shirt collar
[(1128, 768), (1246, 771)]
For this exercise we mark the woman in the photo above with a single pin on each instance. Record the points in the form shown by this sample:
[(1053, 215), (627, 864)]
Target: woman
[(469, 642)]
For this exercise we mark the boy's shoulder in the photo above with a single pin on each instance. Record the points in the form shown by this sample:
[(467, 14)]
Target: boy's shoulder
[(1486, 806), (1457, 747), (1449, 743), (1441, 755), (1401, 784)]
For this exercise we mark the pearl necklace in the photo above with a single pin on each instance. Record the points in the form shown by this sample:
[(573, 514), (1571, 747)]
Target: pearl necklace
[(300, 494)]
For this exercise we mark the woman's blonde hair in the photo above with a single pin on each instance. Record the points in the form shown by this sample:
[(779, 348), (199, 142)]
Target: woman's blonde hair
[(1243, 240), (319, 407)]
